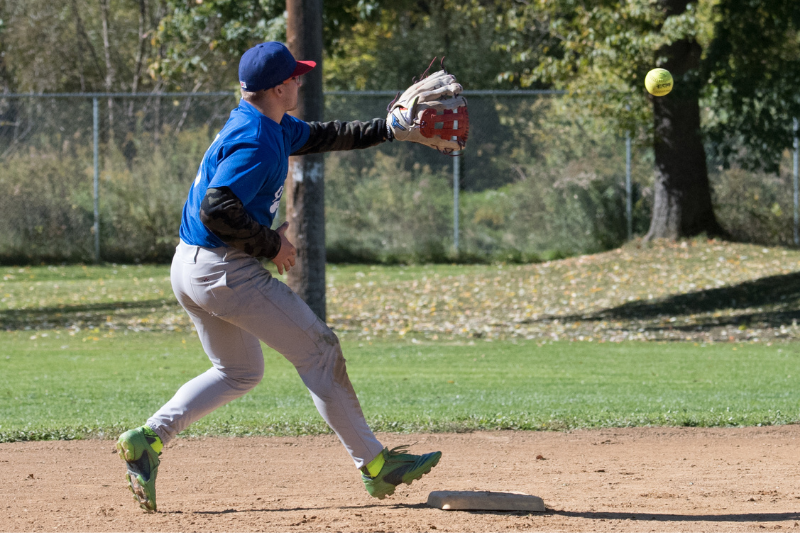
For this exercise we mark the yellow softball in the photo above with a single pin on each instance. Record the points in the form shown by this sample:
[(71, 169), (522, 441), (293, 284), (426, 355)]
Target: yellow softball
[(658, 82)]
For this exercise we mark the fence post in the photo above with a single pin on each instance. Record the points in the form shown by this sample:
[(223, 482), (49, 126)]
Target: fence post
[(628, 185), (95, 141), (456, 187)]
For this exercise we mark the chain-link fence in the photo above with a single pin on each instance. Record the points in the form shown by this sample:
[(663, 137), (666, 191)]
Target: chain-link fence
[(87, 176)]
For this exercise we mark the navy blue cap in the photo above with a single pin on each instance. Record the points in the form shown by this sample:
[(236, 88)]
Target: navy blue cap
[(267, 65)]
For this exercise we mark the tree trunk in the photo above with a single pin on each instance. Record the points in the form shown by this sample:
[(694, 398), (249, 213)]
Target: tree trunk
[(109, 67), (140, 49), (305, 187), (682, 197), (79, 27), (8, 107), (79, 43), (161, 11)]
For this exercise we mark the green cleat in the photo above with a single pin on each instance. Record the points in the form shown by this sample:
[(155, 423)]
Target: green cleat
[(135, 448), (400, 467)]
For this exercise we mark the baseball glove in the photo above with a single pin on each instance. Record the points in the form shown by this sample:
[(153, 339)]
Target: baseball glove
[(431, 112)]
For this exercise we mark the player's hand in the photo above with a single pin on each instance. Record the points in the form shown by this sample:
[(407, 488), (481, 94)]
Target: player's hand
[(286, 256)]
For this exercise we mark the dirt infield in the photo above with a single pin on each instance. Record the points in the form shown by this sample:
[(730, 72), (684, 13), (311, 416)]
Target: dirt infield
[(642, 479)]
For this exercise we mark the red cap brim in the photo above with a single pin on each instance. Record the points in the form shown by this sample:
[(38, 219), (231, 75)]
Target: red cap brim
[(302, 68)]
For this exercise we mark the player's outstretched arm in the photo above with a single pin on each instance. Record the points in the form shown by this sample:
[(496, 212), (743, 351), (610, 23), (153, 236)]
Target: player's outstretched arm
[(336, 136), (225, 216)]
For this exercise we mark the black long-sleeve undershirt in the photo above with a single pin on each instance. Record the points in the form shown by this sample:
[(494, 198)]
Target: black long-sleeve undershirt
[(223, 213), (335, 136)]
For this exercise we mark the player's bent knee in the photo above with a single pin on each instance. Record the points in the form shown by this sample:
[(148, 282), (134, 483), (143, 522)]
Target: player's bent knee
[(245, 381), (255, 377), (326, 338)]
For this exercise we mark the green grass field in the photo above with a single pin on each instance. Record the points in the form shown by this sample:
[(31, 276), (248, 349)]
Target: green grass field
[(90, 384), (92, 350)]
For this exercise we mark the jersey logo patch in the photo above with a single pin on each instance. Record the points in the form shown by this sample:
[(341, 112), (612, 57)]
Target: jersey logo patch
[(277, 201)]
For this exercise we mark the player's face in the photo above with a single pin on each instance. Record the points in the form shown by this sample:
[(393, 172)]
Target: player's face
[(292, 85)]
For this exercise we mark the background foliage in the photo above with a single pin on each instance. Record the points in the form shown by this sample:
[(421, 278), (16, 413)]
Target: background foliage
[(599, 50), (542, 177)]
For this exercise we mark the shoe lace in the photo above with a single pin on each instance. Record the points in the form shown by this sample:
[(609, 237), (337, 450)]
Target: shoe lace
[(399, 450)]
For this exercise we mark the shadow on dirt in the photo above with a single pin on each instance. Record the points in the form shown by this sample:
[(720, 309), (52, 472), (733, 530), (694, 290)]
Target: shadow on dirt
[(730, 517), (293, 509), (642, 517)]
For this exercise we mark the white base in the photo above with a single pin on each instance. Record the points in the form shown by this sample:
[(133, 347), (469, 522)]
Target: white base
[(462, 500)]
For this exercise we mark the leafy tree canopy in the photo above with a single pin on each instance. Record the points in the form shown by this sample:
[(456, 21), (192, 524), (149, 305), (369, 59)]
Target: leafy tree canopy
[(369, 44), (58, 47), (752, 70), (600, 50), (204, 40)]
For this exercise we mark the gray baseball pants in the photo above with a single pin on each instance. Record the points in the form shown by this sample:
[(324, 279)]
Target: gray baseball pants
[(234, 302)]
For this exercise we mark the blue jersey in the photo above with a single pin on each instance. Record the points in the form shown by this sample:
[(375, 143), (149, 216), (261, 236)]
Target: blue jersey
[(251, 157)]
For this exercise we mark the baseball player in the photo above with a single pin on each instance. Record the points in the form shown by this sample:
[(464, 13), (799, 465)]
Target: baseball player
[(233, 300)]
